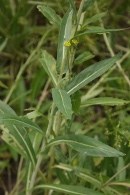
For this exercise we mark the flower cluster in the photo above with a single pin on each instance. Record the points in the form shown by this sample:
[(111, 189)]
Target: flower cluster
[(69, 43)]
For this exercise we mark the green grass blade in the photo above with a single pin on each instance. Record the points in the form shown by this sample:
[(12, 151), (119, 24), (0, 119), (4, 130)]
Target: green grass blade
[(91, 73), (69, 189), (49, 64), (50, 14), (63, 102), (109, 101), (87, 145)]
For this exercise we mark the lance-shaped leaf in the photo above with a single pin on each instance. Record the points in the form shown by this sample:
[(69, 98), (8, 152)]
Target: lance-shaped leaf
[(50, 14), (21, 135), (66, 33), (88, 4), (94, 18), (69, 189), (17, 131), (87, 145), (49, 64), (20, 121), (63, 102), (91, 73), (98, 30), (109, 101), (83, 57), (4, 108), (72, 3)]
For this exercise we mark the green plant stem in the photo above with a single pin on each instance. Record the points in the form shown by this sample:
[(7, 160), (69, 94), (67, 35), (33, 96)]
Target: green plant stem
[(24, 66), (40, 156), (41, 100), (111, 50), (109, 180)]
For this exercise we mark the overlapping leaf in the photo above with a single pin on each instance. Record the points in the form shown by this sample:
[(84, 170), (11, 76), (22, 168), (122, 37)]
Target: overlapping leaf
[(69, 189), (104, 101), (49, 64), (66, 33), (15, 127), (50, 14), (87, 145), (91, 73), (63, 102)]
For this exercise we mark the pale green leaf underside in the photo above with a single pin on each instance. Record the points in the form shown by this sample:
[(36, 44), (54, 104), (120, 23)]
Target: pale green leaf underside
[(87, 145), (104, 101), (91, 73), (50, 14), (69, 189), (63, 102), (65, 34)]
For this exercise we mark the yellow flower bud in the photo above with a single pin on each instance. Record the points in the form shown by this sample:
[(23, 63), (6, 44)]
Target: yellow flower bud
[(67, 44), (75, 41)]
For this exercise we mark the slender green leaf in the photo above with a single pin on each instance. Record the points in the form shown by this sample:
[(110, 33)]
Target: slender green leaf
[(91, 73), (94, 18), (72, 3), (20, 121), (49, 64), (98, 30), (65, 34), (104, 101), (22, 139), (3, 45), (4, 108), (69, 189), (88, 4), (87, 145), (63, 102), (83, 57), (76, 101), (13, 142), (50, 14)]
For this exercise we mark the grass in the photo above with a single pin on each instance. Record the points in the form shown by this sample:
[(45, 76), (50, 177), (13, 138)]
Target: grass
[(52, 116)]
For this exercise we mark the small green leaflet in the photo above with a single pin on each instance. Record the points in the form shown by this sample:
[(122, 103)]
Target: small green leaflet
[(91, 73), (63, 102), (87, 145), (49, 65), (50, 14), (68, 189), (83, 57), (109, 101)]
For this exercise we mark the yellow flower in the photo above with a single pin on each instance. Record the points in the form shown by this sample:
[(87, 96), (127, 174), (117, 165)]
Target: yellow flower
[(67, 44), (75, 41)]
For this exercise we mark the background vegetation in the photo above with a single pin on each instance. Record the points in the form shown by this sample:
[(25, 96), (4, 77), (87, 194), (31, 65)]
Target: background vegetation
[(26, 87)]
